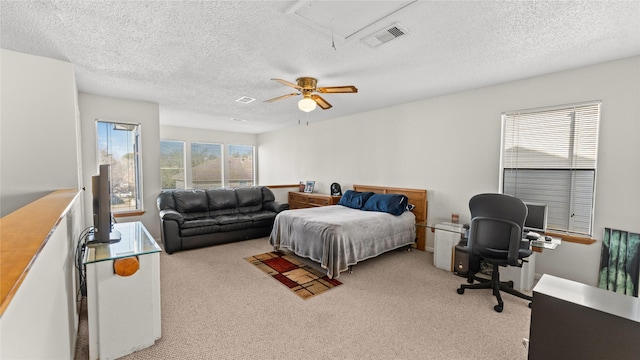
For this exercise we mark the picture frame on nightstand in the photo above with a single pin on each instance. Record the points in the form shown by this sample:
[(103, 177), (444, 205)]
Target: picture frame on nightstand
[(308, 188)]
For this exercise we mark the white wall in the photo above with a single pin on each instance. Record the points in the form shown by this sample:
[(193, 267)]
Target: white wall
[(203, 135), (41, 321), (450, 145), (93, 107), (38, 147)]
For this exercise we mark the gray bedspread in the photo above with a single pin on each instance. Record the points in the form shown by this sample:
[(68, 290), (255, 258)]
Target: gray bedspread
[(337, 236)]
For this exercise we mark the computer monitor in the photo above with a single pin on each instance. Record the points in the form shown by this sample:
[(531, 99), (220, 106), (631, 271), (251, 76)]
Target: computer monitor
[(536, 217), (103, 231)]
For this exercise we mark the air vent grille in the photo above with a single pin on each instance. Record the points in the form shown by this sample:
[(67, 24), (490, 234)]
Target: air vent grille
[(245, 99), (395, 31), (385, 35)]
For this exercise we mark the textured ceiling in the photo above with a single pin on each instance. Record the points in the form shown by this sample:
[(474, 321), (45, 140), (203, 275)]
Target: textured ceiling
[(195, 58)]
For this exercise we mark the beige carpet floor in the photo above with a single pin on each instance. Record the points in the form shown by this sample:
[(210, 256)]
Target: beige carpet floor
[(215, 305)]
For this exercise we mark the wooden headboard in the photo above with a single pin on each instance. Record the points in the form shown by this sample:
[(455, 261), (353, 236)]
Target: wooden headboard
[(417, 197)]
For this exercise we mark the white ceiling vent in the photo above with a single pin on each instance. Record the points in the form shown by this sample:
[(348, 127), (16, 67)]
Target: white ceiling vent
[(346, 20), (245, 99), (385, 35)]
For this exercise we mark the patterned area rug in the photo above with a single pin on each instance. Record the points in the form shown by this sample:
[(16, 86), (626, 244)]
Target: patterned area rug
[(299, 277)]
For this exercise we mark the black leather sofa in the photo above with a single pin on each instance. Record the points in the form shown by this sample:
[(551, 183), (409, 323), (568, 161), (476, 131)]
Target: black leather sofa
[(195, 218)]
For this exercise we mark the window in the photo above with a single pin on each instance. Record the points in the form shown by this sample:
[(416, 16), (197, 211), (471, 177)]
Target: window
[(549, 156), (210, 166), (172, 174), (206, 165), (119, 146), (240, 166)]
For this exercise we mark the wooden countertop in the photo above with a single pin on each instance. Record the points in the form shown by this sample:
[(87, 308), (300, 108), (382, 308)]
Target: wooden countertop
[(25, 232)]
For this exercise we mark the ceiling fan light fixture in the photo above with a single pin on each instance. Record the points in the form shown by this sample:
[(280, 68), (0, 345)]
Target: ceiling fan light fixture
[(307, 104)]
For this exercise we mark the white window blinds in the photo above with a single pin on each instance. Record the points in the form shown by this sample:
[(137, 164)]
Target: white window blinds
[(549, 156)]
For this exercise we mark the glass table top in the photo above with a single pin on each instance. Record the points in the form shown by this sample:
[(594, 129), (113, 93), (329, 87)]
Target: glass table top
[(546, 244), (460, 229), (449, 227), (135, 241)]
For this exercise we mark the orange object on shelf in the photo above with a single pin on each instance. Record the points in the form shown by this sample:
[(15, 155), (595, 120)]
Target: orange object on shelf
[(126, 266)]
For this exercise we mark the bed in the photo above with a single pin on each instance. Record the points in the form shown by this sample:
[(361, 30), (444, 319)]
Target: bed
[(338, 237)]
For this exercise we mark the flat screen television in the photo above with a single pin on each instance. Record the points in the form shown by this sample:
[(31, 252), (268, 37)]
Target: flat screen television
[(102, 222), (536, 217)]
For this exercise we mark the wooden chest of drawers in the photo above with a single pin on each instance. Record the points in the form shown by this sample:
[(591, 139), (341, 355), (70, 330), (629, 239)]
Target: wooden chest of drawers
[(300, 200)]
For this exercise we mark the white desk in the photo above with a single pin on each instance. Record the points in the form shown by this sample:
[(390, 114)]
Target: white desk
[(124, 312), (522, 277), (539, 245)]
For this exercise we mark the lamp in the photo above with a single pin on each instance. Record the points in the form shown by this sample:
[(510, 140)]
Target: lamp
[(307, 104)]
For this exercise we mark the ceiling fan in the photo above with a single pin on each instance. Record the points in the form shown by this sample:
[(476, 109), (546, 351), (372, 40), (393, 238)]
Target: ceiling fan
[(307, 88)]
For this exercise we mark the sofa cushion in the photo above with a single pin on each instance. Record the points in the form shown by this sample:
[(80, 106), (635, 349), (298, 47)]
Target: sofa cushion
[(262, 218), (165, 200), (199, 223), (235, 227), (222, 202), (249, 199), (195, 216), (233, 219), (262, 215), (201, 230), (190, 201)]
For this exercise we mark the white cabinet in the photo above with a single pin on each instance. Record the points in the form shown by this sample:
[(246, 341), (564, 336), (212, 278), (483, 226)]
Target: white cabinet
[(447, 236), (124, 311), (522, 277)]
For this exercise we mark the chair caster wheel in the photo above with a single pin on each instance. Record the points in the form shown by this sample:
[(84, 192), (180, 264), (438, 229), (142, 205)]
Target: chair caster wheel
[(460, 291), (530, 305), (498, 308), (511, 284), (470, 281)]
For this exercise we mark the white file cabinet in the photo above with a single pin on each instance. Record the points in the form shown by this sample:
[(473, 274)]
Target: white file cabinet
[(447, 236), (522, 277)]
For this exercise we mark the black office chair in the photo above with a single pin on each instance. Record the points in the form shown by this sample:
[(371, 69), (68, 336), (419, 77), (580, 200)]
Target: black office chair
[(495, 236)]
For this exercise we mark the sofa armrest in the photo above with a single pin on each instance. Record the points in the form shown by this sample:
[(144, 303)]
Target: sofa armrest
[(170, 221), (275, 206), (170, 214)]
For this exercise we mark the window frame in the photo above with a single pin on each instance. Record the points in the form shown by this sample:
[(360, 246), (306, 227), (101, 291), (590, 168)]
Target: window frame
[(569, 234), (225, 159), (184, 162), (191, 177), (227, 179), (137, 162)]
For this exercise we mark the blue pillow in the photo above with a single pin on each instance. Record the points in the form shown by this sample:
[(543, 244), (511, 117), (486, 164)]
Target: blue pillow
[(394, 204), (354, 199)]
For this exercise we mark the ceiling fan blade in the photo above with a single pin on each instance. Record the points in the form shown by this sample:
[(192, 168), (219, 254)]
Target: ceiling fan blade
[(321, 102), (285, 82), (282, 97), (338, 89)]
